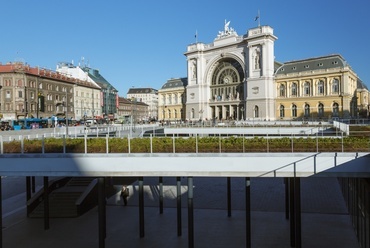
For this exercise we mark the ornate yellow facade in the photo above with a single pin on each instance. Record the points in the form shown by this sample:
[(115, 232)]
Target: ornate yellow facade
[(172, 100), (319, 89)]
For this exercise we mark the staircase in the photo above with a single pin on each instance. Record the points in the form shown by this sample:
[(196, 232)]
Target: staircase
[(62, 201)]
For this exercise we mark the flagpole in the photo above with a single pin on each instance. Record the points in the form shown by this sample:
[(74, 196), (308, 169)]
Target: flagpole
[(259, 19), (196, 36)]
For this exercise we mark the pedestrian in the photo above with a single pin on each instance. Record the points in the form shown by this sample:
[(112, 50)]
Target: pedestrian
[(124, 194)]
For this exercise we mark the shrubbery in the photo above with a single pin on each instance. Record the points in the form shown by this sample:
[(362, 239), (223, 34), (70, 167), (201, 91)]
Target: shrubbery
[(191, 145)]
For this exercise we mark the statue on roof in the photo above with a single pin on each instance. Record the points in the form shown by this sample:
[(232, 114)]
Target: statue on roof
[(227, 31)]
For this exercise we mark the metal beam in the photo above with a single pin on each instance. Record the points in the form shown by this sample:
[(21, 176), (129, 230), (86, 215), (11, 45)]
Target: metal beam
[(141, 207), (161, 195), (46, 203), (178, 183), (190, 213), (101, 210), (248, 235), (228, 197)]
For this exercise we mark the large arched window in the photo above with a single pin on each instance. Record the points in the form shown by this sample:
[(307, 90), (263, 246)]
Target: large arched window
[(320, 88), (256, 111), (306, 88), (294, 89), (306, 110), (294, 110), (320, 110), (282, 111), (335, 86), (335, 109), (282, 90)]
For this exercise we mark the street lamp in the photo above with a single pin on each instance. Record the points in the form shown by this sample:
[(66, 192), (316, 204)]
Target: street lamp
[(242, 110)]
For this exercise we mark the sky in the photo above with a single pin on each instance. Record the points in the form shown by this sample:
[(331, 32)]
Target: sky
[(142, 43)]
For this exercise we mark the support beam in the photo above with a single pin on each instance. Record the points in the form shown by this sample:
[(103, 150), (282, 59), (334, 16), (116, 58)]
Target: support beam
[(101, 209), (178, 184), (46, 203), (28, 192), (229, 197), (1, 214), (248, 235), (286, 185), (33, 184), (292, 212), (141, 207), (297, 211), (161, 195), (190, 213)]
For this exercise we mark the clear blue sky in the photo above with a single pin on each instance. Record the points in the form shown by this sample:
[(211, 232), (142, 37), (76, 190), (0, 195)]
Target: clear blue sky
[(141, 43)]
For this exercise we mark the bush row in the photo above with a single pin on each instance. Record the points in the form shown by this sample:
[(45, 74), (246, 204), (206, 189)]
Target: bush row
[(190, 145)]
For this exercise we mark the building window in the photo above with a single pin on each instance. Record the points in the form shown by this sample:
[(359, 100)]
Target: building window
[(256, 111), (335, 86), (282, 111), (20, 94), (282, 90), (7, 94), (294, 89), (306, 87), (321, 110), (294, 110), (320, 88), (335, 109), (306, 110)]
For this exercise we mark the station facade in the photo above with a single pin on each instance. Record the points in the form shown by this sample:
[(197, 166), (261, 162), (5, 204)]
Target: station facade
[(236, 77)]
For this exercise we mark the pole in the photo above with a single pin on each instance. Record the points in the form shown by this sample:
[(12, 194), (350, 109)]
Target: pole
[(67, 111)]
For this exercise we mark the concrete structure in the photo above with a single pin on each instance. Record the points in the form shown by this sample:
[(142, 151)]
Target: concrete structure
[(172, 100), (148, 96), (243, 166)]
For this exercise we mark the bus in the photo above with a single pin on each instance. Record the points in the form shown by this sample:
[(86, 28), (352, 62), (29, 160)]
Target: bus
[(29, 123)]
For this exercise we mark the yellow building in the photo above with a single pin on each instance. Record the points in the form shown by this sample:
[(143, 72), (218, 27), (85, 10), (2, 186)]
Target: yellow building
[(319, 89), (172, 99)]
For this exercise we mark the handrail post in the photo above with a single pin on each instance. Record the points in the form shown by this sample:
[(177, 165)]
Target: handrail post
[(64, 143), (151, 143), (85, 138), (129, 143), (22, 145), (107, 142), (196, 143), (314, 164), (42, 144), (173, 143)]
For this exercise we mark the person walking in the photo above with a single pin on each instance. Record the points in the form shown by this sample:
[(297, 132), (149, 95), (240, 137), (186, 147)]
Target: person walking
[(124, 194)]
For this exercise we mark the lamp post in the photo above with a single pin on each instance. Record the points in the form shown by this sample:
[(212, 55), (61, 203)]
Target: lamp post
[(67, 111), (242, 110)]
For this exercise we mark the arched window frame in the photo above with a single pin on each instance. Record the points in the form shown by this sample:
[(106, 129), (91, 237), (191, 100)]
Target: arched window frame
[(306, 88), (320, 88), (282, 90), (294, 110), (320, 110), (282, 111), (307, 110), (294, 89), (335, 109), (335, 86)]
